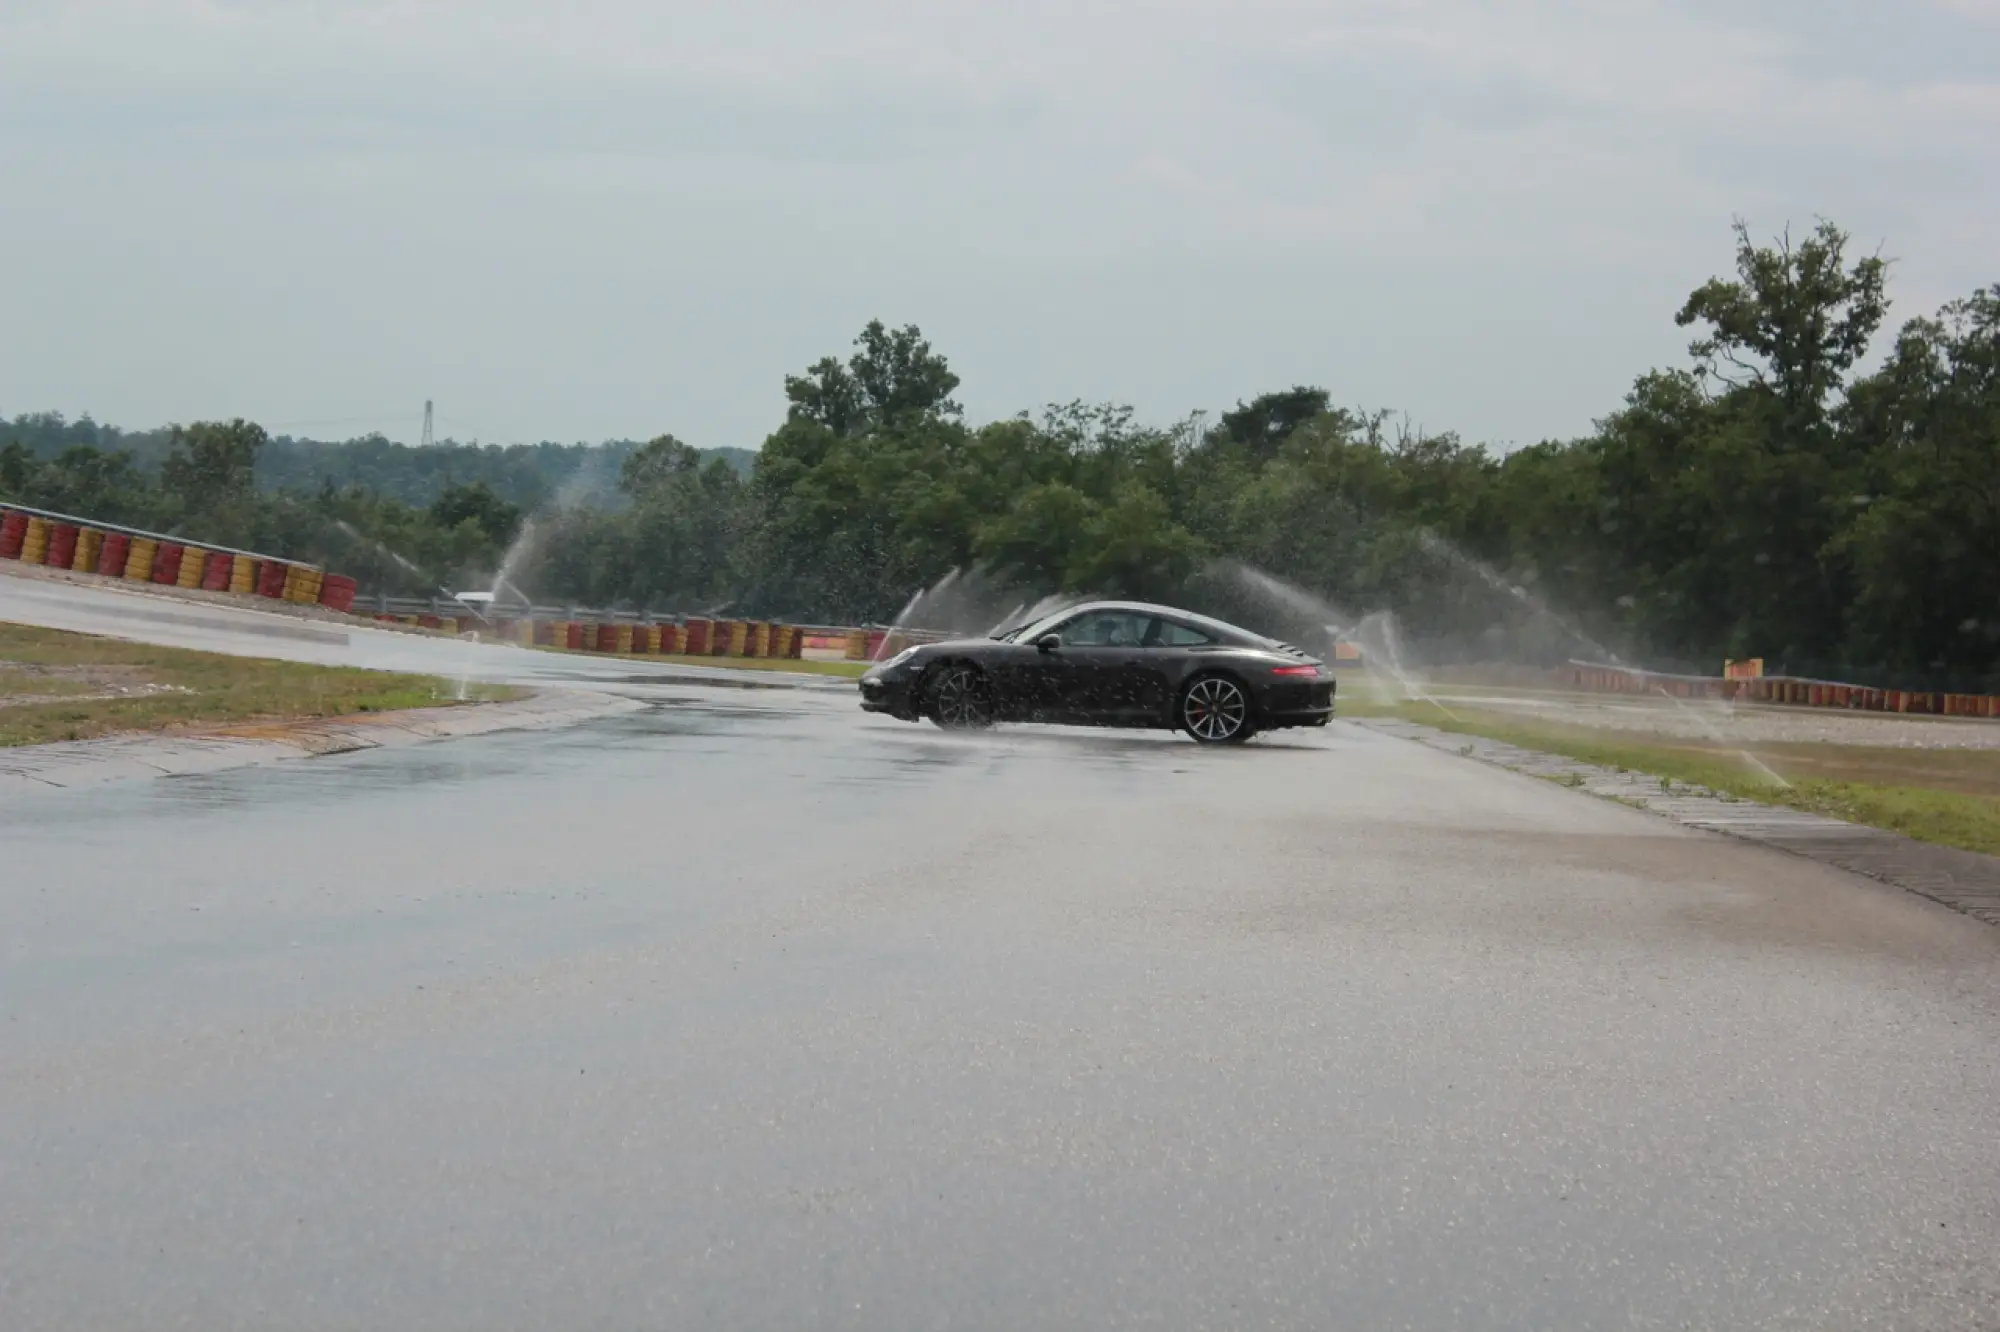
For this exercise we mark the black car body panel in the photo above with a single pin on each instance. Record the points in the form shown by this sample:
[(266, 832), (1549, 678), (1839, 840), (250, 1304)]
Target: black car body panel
[(1114, 664)]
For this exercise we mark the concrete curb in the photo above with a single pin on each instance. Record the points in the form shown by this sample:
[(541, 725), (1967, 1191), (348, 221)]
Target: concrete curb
[(1962, 880), (79, 763)]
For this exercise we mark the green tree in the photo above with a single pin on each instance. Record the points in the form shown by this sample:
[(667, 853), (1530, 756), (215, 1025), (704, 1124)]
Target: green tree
[(1133, 547), (212, 463), (893, 381), (81, 480), (1926, 536), (1264, 423), (659, 463), (495, 518), (1035, 539), (1794, 322)]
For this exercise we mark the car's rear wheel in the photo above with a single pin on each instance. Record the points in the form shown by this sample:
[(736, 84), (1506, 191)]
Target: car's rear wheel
[(960, 699), (1215, 710)]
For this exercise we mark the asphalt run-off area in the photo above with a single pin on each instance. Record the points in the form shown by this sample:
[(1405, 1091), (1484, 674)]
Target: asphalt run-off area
[(745, 1009)]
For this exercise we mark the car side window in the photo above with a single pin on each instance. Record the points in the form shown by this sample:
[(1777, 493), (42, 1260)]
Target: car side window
[(1115, 629), (1179, 635)]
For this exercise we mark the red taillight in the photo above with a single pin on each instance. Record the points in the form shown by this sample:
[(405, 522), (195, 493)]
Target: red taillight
[(1295, 670)]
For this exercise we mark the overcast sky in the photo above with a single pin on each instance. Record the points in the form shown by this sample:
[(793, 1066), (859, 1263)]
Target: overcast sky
[(603, 218)]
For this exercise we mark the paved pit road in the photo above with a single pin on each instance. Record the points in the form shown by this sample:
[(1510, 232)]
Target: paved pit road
[(750, 1011)]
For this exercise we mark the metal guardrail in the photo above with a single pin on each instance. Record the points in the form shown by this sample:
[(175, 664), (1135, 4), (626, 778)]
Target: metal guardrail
[(177, 538)]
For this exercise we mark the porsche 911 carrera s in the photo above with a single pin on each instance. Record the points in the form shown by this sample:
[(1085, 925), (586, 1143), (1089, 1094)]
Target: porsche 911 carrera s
[(1110, 663)]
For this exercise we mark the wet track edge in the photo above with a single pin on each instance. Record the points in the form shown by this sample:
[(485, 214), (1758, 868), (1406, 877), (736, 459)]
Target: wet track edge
[(1965, 881)]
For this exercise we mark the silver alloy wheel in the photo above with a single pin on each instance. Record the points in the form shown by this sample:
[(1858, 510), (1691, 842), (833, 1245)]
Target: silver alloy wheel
[(1215, 710), (960, 700)]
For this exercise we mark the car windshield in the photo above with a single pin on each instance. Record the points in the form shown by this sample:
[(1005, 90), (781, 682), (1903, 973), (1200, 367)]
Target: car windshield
[(1034, 629)]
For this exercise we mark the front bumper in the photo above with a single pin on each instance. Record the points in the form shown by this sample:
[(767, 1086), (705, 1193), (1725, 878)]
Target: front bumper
[(891, 695)]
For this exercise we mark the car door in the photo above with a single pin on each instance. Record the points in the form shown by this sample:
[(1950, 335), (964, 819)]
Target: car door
[(1028, 683), (1106, 670)]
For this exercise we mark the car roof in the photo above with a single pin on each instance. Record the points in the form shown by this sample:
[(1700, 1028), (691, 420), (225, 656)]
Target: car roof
[(1208, 622)]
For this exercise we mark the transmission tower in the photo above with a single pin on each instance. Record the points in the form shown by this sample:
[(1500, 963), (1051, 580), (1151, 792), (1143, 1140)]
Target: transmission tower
[(428, 439)]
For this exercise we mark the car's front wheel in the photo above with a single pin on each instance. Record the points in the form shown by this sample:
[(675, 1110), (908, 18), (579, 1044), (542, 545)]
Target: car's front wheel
[(1215, 710), (960, 699)]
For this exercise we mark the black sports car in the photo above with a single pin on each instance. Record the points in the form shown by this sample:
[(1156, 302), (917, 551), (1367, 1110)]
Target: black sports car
[(1110, 663)]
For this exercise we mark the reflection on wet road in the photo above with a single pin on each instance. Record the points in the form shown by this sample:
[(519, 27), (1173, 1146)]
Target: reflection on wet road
[(751, 1011)]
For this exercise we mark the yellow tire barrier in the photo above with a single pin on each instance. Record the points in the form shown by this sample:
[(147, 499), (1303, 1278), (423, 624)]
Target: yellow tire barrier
[(242, 575), (302, 585), (35, 545), (857, 645), (621, 642), (194, 560), (139, 561), (89, 545)]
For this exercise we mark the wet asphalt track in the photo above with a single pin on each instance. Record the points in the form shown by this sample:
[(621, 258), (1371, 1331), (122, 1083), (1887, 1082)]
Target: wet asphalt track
[(750, 1011)]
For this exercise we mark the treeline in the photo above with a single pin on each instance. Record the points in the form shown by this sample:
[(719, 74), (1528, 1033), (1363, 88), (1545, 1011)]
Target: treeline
[(203, 486), (1782, 496), (529, 475)]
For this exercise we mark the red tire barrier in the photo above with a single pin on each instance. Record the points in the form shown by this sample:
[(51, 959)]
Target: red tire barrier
[(573, 636), (111, 555), (607, 638), (669, 641), (167, 562), (875, 637), (62, 545), (694, 637), (216, 571), (337, 592), (13, 529), (271, 578)]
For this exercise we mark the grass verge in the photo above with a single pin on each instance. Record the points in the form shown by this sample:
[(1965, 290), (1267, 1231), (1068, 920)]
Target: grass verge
[(63, 686), (1949, 797)]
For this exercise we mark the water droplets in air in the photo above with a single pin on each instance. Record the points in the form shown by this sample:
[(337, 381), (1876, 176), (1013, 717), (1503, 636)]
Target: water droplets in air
[(1376, 634)]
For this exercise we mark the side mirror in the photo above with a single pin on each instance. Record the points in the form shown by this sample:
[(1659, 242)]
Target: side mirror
[(1048, 642)]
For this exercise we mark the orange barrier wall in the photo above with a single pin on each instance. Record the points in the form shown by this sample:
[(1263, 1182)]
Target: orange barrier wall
[(1785, 692)]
